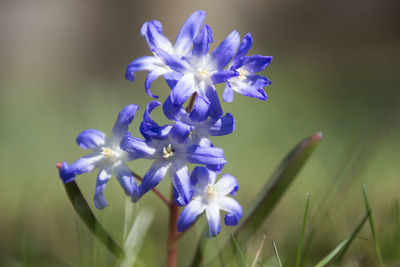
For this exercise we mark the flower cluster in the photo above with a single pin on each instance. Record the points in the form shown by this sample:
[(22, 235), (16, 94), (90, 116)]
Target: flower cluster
[(191, 72)]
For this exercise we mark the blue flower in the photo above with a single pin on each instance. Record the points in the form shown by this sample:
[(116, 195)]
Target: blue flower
[(106, 156), (211, 197), (247, 82), (199, 72), (152, 31), (201, 130), (171, 152)]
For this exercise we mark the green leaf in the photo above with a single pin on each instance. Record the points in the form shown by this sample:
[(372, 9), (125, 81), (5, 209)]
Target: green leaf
[(303, 229), (331, 255), (274, 189), (85, 213), (372, 224)]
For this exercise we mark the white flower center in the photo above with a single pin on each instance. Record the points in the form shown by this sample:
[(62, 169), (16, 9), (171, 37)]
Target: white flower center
[(242, 74), (211, 192), (168, 152), (202, 74), (109, 154)]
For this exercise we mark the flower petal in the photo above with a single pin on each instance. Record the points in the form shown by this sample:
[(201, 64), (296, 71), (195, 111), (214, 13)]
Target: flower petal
[(175, 62), (91, 139), (223, 76), (223, 126), (214, 220), (227, 185), (66, 174), (201, 44), (256, 63), (153, 176), (152, 31), (140, 64), (183, 89), (205, 155), (188, 32), (228, 93), (152, 76), (85, 164), (126, 179), (202, 177), (149, 128), (102, 179), (215, 105), (226, 50), (245, 46), (189, 214), (201, 109), (233, 208), (173, 112), (137, 147), (180, 178), (180, 131), (121, 125)]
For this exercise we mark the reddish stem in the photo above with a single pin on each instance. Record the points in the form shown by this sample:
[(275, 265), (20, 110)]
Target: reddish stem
[(155, 191), (189, 108), (173, 233)]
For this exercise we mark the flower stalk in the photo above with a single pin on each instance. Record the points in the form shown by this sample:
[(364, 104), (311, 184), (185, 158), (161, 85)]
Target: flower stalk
[(173, 233)]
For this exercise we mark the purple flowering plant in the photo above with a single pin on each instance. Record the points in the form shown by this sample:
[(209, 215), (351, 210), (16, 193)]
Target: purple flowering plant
[(191, 71)]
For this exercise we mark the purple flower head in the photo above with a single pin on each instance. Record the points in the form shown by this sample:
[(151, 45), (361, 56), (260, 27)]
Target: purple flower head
[(247, 82), (152, 31), (106, 156), (199, 72), (170, 151), (211, 197)]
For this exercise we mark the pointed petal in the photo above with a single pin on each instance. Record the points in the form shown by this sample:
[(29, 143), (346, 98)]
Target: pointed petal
[(172, 78), (233, 208), (83, 165), (153, 176), (181, 180), (140, 64), (121, 125), (245, 46), (183, 89), (152, 31), (227, 185), (102, 179), (188, 32), (137, 148), (206, 155), (202, 177), (66, 174), (201, 44), (175, 62), (180, 131), (254, 64), (228, 93), (201, 110), (215, 105), (173, 112), (223, 126), (189, 214), (151, 77), (91, 139), (149, 128), (223, 76), (214, 220), (126, 179), (226, 50)]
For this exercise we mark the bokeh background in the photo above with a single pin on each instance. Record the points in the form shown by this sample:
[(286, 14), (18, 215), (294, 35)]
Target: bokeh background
[(335, 70)]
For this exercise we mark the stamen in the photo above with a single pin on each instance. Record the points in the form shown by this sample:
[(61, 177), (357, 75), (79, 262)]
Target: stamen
[(211, 190), (167, 152), (109, 153), (242, 74)]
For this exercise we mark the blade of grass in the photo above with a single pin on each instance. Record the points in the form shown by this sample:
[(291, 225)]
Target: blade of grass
[(352, 237), (372, 224), (85, 213), (277, 254), (259, 251), (331, 255), (239, 250), (299, 250)]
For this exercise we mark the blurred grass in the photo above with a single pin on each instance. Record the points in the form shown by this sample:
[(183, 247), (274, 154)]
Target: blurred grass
[(344, 85)]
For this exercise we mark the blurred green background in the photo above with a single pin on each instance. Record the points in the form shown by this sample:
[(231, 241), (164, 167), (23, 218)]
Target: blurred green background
[(335, 70)]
